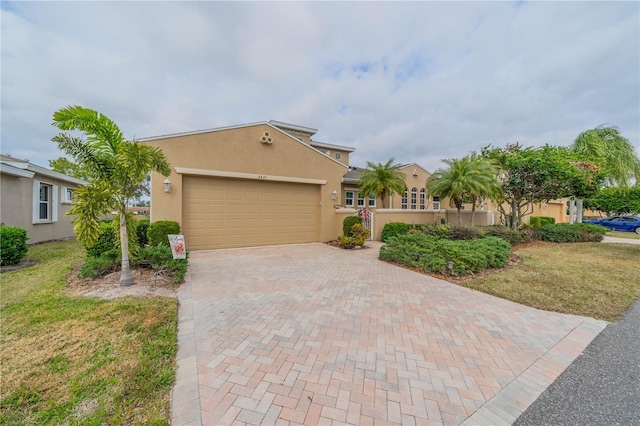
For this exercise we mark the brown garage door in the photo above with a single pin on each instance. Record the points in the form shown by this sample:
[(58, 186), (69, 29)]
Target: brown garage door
[(221, 213)]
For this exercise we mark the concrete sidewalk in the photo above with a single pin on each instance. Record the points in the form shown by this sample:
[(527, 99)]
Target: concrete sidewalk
[(312, 334)]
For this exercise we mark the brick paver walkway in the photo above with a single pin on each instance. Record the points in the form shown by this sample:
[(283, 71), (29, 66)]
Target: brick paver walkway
[(311, 334)]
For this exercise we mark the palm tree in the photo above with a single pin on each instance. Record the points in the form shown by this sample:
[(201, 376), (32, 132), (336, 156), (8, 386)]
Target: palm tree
[(467, 179), (116, 167), (606, 147), (381, 180)]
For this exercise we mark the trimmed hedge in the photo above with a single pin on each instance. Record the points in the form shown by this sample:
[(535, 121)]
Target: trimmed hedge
[(393, 229), (142, 228), (512, 236), (347, 224), (13, 245), (107, 240), (159, 230), (432, 254), (570, 233), (538, 221)]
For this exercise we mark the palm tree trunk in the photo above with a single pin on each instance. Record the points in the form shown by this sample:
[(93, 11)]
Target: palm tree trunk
[(126, 279)]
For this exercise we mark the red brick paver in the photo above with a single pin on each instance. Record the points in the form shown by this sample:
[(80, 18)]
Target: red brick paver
[(311, 334)]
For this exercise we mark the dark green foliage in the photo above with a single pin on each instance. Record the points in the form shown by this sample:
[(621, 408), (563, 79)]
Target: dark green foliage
[(347, 224), (570, 233), (441, 231), (160, 258), (538, 221), (615, 200), (460, 232), (393, 229), (13, 244), (106, 263), (432, 254), (107, 239), (142, 227), (512, 236), (159, 230)]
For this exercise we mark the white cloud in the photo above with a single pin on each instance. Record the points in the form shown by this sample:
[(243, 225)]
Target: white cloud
[(414, 81)]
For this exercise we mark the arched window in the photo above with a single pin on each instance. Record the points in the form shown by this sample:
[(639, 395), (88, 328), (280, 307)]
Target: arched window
[(414, 198), (423, 194), (404, 200)]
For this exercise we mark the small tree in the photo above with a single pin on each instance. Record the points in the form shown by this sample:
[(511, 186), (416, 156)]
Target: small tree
[(615, 200), (116, 168), (381, 180)]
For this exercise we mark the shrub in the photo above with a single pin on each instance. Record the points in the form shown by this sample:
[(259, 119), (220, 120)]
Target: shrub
[(570, 233), (460, 232), (393, 229), (107, 240), (359, 234), (142, 227), (538, 221), (441, 231), (104, 264), (432, 254), (160, 258), (159, 230), (347, 224), (512, 236), (13, 244)]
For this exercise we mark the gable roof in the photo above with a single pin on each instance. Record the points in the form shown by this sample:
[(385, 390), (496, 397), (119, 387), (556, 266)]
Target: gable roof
[(22, 168), (241, 126)]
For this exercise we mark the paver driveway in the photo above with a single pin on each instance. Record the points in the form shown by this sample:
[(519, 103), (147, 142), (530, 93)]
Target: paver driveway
[(312, 334)]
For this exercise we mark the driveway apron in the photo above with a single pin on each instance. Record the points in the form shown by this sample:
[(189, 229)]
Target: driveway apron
[(312, 334)]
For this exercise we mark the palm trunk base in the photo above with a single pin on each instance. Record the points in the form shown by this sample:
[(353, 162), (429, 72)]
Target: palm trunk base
[(126, 279)]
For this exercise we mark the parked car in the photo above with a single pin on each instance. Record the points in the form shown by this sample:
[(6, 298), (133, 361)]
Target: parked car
[(619, 223)]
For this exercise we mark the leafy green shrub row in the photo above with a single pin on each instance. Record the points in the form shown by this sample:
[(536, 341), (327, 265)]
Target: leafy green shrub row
[(538, 221), (570, 233), (159, 230), (103, 264), (347, 224), (107, 240), (160, 258), (13, 244), (142, 228), (433, 254), (458, 232), (393, 229)]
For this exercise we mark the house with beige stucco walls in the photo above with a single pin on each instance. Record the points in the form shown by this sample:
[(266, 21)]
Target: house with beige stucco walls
[(270, 183), (36, 199)]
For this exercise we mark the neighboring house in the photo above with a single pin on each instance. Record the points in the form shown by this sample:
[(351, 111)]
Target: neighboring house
[(36, 199), (269, 183)]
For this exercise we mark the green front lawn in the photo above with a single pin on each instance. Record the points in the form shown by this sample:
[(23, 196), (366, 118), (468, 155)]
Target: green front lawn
[(66, 360)]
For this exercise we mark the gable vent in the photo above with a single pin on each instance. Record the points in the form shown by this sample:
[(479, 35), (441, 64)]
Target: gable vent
[(266, 138)]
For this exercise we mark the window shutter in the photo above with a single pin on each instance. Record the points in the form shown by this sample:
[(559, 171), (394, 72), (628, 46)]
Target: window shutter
[(36, 202), (54, 203)]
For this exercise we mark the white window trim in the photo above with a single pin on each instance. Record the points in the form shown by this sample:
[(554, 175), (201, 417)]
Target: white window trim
[(361, 200), (404, 200), (414, 198), (423, 199), (372, 201), (53, 206), (64, 195), (436, 204), (347, 199)]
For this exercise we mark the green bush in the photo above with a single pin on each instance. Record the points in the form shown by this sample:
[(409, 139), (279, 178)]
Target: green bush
[(432, 254), (461, 232), (393, 229), (347, 224), (538, 221), (441, 231), (142, 228), (13, 244), (512, 236), (159, 230), (570, 233), (160, 258), (107, 240), (104, 264)]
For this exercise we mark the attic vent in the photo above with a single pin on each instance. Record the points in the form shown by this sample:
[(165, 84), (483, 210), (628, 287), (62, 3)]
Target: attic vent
[(266, 138)]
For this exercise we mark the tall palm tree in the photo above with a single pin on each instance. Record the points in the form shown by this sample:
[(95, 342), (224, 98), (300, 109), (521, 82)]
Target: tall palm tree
[(381, 180), (116, 167), (468, 178), (606, 147)]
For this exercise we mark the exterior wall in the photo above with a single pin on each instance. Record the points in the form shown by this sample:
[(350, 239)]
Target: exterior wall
[(239, 150), (344, 155), (413, 181), (17, 208)]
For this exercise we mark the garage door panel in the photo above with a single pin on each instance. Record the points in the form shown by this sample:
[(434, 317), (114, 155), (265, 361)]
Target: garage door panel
[(222, 213)]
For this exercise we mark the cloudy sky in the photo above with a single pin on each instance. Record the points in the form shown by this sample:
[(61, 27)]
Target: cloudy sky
[(417, 81)]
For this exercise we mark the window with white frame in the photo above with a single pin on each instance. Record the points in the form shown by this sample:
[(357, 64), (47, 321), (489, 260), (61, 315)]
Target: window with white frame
[(372, 200), (348, 198), (360, 200), (403, 201), (414, 198), (45, 202), (67, 195), (423, 196), (436, 203), (462, 207)]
